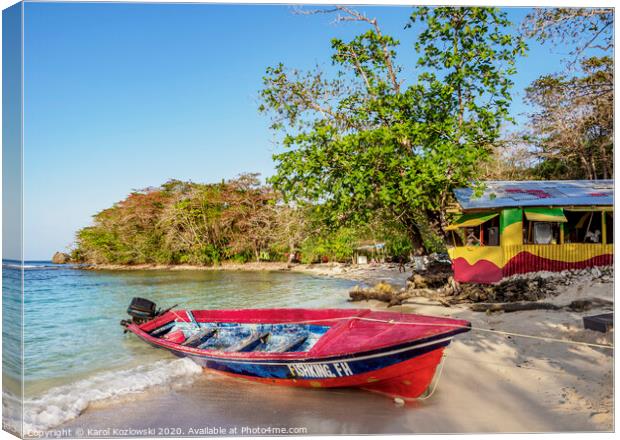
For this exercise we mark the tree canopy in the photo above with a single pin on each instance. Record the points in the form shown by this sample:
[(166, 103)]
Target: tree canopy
[(571, 122), (184, 222), (579, 28), (360, 142), (573, 127)]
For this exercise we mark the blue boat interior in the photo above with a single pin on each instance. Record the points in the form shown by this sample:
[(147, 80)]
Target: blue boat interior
[(242, 337)]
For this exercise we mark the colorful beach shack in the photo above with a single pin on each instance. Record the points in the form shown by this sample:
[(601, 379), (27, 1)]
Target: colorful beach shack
[(511, 227)]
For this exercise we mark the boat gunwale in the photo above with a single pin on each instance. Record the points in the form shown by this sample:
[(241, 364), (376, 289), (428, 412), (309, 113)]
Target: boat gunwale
[(307, 356), (439, 342)]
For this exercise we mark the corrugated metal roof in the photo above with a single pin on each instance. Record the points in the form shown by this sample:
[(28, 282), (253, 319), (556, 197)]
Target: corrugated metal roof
[(501, 194)]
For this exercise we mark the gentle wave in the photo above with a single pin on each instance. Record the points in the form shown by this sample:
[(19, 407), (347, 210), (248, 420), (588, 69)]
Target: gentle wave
[(66, 402), (38, 266), (12, 266), (11, 413)]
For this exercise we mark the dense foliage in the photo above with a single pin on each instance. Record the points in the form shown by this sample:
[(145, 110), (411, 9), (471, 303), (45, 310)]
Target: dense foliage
[(362, 144), (203, 224), (182, 222)]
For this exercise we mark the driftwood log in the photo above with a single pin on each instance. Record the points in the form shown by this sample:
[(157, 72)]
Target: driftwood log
[(577, 306)]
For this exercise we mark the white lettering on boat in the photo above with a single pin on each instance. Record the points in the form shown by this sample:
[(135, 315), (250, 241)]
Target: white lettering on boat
[(337, 369)]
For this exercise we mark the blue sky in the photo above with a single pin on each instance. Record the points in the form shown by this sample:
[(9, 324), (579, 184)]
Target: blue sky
[(124, 96)]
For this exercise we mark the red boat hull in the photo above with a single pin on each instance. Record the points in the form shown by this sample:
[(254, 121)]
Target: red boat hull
[(407, 380), (389, 353)]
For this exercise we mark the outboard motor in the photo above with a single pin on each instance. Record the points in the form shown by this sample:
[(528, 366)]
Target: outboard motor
[(142, 310)]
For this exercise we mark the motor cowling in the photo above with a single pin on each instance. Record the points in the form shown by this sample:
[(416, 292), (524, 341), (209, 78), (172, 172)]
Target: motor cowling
[(142, 310)]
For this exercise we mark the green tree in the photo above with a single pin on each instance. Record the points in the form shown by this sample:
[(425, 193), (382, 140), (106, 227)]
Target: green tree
[(361, 142), (254, 213)]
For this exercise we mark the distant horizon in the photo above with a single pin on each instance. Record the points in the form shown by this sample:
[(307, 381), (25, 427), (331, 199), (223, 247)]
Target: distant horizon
[(120, 97)]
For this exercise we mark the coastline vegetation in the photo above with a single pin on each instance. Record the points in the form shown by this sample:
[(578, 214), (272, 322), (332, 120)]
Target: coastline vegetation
[(204, 224), (372, 153)]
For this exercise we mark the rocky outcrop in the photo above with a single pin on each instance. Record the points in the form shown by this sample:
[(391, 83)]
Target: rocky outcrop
[(61, 258)]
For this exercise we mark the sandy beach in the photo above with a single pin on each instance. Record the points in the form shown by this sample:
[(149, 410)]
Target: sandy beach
[(489, 383)]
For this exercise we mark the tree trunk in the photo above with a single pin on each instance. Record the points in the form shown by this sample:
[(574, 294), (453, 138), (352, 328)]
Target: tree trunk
[(291, 255), (586, 167), (604, 160), (416, 238)]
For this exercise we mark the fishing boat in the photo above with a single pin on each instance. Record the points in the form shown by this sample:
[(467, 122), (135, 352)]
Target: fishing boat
[(391, 353)]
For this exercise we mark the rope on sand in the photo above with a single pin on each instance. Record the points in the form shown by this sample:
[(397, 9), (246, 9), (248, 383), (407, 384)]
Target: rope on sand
[(480, 329)]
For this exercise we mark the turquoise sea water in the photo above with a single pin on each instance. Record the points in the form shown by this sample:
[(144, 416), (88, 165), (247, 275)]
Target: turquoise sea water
[(74, 347)]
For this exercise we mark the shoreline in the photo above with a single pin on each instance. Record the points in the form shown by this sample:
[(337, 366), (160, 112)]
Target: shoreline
[(368, 274)]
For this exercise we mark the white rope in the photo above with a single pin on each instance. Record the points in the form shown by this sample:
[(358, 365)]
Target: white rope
[(429, 324), (435, 379), (547, 339)]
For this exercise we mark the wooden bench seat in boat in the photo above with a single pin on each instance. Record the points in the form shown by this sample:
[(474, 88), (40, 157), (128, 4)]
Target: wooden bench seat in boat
[(161, 331), (199, 338), (249, 343), (271, 339)]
